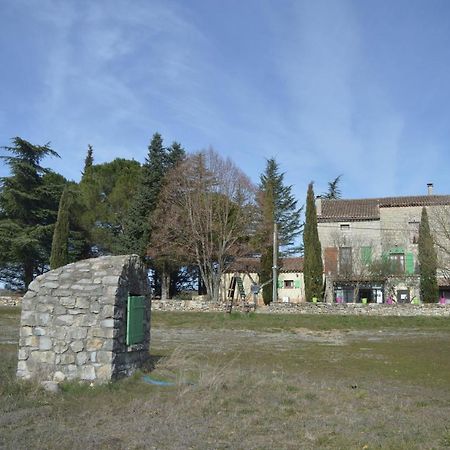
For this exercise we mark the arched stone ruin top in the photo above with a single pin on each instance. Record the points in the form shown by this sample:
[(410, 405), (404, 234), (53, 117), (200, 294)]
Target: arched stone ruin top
[(74, 321)]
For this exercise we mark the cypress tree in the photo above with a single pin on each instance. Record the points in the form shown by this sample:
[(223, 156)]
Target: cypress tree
[(89, 160), (429, 290), (312, 265), (276, 204), (60, 250)]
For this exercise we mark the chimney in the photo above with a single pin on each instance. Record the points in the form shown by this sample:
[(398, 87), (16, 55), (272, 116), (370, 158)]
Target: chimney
[(318, 206), (430, 188)]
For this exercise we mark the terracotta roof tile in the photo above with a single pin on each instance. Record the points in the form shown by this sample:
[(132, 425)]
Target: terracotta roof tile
[(369, 208)]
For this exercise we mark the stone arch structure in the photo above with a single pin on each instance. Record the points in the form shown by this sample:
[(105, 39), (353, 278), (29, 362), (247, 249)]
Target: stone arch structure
[(77, 321)]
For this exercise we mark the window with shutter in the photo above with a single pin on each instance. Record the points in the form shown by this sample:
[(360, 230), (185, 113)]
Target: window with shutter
[(366, 255), (409, 263), (135, 319)]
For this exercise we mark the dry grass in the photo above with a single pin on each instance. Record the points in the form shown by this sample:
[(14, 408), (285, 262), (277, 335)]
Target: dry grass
[(252, 390)]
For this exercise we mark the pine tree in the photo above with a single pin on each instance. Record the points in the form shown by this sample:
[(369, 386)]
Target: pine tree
[(312, 264), (276, 204), (334, 190), (60, 244), (157, 163), (28, 207), (429, 290)]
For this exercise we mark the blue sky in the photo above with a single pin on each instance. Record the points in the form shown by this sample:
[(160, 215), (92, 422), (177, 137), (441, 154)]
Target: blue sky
[(359, 88)]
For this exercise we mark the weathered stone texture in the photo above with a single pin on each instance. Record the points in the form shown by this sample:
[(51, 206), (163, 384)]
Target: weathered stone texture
[(72, 323), (349, 309)]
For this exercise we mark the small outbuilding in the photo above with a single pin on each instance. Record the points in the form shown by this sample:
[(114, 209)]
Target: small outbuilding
[(89, 320)]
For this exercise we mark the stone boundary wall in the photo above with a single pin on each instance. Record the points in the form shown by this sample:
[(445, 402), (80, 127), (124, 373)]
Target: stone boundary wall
[(10, 300), (289, 308), (351, 309)]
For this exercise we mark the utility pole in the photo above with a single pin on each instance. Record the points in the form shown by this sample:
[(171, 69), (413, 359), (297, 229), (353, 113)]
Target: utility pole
[(275, 263)]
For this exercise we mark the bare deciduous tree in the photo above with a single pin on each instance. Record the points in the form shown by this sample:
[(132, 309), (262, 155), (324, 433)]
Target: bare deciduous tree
[(204, 217), (440, 228)]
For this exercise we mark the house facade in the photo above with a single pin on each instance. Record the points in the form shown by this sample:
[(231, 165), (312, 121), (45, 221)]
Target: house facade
[(370, 247), (291, 288)]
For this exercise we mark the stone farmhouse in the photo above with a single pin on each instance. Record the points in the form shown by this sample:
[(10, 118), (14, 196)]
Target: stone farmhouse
[(291, 288), (370, 247)]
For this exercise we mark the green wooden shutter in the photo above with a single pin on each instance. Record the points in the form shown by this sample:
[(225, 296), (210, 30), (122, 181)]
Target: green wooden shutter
[(135, 319), (409, 263), (366, 255), (297, 284), (280, 284)]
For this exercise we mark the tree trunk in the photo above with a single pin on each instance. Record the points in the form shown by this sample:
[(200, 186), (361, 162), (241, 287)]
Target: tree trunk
[(165, 283), (28, 273)]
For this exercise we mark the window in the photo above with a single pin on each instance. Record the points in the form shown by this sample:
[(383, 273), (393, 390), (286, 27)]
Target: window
[(288, 284), (345, 260), (397, 261), (345, 227), (366, 255)]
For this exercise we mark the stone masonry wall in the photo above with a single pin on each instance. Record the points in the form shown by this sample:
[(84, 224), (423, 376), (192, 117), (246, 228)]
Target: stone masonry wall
[(359, 309), (72, 322)]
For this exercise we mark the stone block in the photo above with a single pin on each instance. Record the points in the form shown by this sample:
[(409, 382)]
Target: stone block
[(94, 307), (59, 310), (107, 333), (67, 358), (81, 358), (77, 346), (26, 331), (32, 341), (94, 344), (45, 308), (60, 332), (104, 372), (68, 301), (45, 343), (28, 318), (111, 280), (65, 319), (71, 371), (87, 373), (104, 357), (27, 302), (60, 347), (77, 333), (59, 377), (42, 318), (75, 311), (22, 366), (39, 331), (107, 323), (86, 288), (23, 354), (82, 303), (50, 284), (107, 312), (93, 357), (108, 345), (88, 320), (42, 357)]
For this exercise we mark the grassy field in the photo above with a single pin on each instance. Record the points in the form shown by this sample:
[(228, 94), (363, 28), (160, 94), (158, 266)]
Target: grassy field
[(250, 381)]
